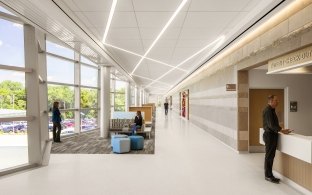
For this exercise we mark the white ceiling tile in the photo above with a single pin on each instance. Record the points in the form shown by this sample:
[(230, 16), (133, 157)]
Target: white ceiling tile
[(173, 77), (123, 33), (143, 70), (251, 5), (163, 54), (157, 69), (126, 60), (172, 33), (194, 62), (220, 5), (149, 33), (124, 5), (199, 33), (96, 19), (147, 43), (124, 20), (141, 80), (197, 43), (159, 86), (208, 20), (158, 5), (180, 54), (132, 45), (159, 19)]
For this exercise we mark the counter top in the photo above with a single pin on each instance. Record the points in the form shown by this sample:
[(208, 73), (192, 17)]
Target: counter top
[(298, 146)]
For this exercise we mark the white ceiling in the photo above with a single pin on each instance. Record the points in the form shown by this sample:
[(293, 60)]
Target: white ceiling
[(137, 23)]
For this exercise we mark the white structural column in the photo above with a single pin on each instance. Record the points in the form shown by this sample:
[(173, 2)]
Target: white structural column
[(105, 101), (140, 96), (128, 96), (77, 92), (43, 88), (35, 152), (146, 98), (136, 96)]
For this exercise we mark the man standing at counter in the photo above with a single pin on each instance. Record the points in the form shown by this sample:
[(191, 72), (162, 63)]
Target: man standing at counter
[(270, 136)]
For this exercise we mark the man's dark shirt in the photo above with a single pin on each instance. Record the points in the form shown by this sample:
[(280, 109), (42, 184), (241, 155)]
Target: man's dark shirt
[(166, 105), (270, 120)]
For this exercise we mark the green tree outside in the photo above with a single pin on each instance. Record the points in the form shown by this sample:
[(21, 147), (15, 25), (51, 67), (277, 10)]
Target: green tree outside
[(12, 95)]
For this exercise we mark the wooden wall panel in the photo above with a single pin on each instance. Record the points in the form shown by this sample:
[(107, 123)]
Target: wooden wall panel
[(294, 169), (148, 110)]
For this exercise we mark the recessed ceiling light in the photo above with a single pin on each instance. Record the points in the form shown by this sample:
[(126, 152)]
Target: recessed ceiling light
[(161, 33), (110, 17)]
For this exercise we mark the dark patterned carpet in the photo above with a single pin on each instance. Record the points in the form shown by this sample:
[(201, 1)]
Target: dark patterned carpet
[(92, 143)]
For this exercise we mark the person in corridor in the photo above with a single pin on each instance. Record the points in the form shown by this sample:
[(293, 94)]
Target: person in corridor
[(56, 119), (270, 136), (166, 105)]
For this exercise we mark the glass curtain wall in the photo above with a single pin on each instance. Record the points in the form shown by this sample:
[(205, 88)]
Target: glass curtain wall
[(61, 66), (13, 120), (118, 94), (89, 93)]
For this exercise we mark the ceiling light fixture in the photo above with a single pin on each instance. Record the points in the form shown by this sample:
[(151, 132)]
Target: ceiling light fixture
[(217, 44), (153, 60), (110, 17), (151, 79), (161, 33)]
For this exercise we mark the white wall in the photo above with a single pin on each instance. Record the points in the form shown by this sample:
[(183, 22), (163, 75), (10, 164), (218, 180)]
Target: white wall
[(299, 89)]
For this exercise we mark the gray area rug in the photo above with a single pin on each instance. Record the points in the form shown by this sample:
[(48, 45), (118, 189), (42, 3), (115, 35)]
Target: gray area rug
[(92, 143)]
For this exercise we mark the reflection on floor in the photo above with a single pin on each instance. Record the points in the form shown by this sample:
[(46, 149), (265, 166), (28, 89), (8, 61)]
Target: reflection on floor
[(187, 161), (92, 143)]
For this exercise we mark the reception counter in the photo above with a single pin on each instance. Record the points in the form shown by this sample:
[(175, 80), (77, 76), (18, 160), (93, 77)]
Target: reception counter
[(298, 146), (293, 160)]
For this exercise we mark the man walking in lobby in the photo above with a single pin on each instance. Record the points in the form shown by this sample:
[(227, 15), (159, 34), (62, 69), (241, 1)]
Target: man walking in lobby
[(166, 105), (270, 136)]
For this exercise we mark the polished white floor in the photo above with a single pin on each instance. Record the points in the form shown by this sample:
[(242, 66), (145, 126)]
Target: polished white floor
[(187, 161)]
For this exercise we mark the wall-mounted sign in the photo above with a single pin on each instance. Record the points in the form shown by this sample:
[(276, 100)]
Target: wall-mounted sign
[(230, 87), (293, 106), (289, 61)]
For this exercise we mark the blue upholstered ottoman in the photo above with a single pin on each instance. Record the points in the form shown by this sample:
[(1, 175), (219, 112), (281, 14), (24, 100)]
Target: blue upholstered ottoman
[(121, 145), (117, 136), (137, 142)]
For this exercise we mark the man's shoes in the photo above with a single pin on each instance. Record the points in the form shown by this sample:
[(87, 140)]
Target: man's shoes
[(272, 179)]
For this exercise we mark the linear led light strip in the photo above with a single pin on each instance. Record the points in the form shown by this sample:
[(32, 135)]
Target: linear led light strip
[(161, 33), (110, 17), (151, 79), (217, 43), (153, 60)]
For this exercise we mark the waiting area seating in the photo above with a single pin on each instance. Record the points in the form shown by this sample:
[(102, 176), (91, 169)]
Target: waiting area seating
[(123, 143)]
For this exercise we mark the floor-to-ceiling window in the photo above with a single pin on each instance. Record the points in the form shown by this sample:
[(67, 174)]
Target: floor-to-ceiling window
[(61, 68), (118, 94), (60, 76), (89, 94), (13, 120)]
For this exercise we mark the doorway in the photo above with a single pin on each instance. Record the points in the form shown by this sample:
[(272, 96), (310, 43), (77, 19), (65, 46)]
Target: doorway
[(257, 102)]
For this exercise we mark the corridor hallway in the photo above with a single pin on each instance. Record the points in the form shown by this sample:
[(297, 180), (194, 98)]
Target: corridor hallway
[(187, 161)]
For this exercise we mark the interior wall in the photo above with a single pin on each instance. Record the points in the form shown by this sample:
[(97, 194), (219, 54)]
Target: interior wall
[(212, 108), (299, 90)]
